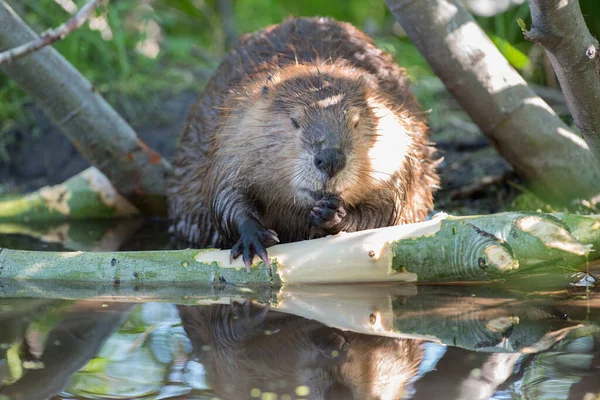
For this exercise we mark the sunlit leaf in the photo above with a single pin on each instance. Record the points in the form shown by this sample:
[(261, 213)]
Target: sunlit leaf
[(515, 57)]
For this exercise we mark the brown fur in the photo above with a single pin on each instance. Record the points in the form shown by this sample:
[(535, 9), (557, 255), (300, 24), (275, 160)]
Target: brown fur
[(238, 356), (240, 157)]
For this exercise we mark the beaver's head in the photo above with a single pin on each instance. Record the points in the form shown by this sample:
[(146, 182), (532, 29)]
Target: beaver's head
[(336, 134), (313, 131)]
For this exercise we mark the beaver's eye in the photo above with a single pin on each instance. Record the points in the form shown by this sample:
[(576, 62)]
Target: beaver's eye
[(295, 123)]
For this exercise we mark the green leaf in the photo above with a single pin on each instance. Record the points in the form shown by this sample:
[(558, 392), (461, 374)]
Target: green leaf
[(522, 25), (515, 57)]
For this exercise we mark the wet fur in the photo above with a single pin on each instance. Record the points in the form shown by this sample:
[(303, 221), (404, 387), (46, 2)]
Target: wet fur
[(236, 158), (296, 352)]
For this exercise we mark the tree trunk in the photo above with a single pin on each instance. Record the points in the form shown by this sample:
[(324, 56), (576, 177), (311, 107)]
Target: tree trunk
[(524, 129), (559, 27)]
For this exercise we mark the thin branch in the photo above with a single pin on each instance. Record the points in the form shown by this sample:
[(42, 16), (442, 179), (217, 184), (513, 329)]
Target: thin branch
[(51, 35), (228, 20)]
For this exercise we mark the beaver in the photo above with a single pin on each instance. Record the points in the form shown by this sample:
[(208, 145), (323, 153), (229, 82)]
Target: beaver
[(245, 348), (305, 129)]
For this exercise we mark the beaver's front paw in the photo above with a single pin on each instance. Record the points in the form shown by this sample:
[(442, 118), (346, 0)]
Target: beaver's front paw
[(254, 239), (328, 213), (244, 321)]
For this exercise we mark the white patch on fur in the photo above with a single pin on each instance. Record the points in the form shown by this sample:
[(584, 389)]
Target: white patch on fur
[(330, 101)]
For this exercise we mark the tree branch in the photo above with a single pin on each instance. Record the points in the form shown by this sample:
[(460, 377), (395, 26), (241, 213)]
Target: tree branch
[(524, 129), (560, 29), (51, 35), (228, 20), (87, 195)]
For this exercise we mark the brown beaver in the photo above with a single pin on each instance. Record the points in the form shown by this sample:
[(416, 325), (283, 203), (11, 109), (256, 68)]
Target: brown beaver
[(306, 129)]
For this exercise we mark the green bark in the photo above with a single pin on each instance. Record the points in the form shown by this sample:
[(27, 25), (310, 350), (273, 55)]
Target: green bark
[(487, 247), (123, 267)]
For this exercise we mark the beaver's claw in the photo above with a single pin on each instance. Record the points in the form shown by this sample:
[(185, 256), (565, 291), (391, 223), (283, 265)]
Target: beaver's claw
[(254, 239), (247, 318), (328, 213)]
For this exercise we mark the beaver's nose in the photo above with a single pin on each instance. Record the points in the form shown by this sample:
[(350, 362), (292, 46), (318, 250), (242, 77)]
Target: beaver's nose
[(331, 161)]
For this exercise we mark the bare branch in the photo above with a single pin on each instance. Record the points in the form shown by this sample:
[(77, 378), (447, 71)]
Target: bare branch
[(51, 35), (228, 20)]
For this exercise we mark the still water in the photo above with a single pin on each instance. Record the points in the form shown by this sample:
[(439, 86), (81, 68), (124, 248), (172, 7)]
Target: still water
[(501, 341)]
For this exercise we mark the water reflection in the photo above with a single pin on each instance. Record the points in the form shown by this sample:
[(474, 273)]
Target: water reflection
[(247, 352), (378, 342)]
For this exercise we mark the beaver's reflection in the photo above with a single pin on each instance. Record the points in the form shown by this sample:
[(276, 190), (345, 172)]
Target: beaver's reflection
[(247, 350)]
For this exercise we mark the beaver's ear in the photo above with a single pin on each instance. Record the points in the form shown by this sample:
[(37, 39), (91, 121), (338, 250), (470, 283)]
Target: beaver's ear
[(353, 116), (355, 119)]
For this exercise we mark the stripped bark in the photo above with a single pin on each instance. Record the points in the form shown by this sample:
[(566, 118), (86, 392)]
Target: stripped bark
[(527, 133), (559, 27), (92, 125)]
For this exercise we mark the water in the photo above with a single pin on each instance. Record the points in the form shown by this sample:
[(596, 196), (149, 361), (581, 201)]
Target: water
[(504, 341)]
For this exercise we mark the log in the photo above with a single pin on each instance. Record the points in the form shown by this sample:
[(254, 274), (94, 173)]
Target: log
[(445, 248), (87, 195)]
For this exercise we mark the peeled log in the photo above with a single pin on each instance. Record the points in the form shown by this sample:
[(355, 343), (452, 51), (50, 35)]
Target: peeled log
[(476, 248)]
